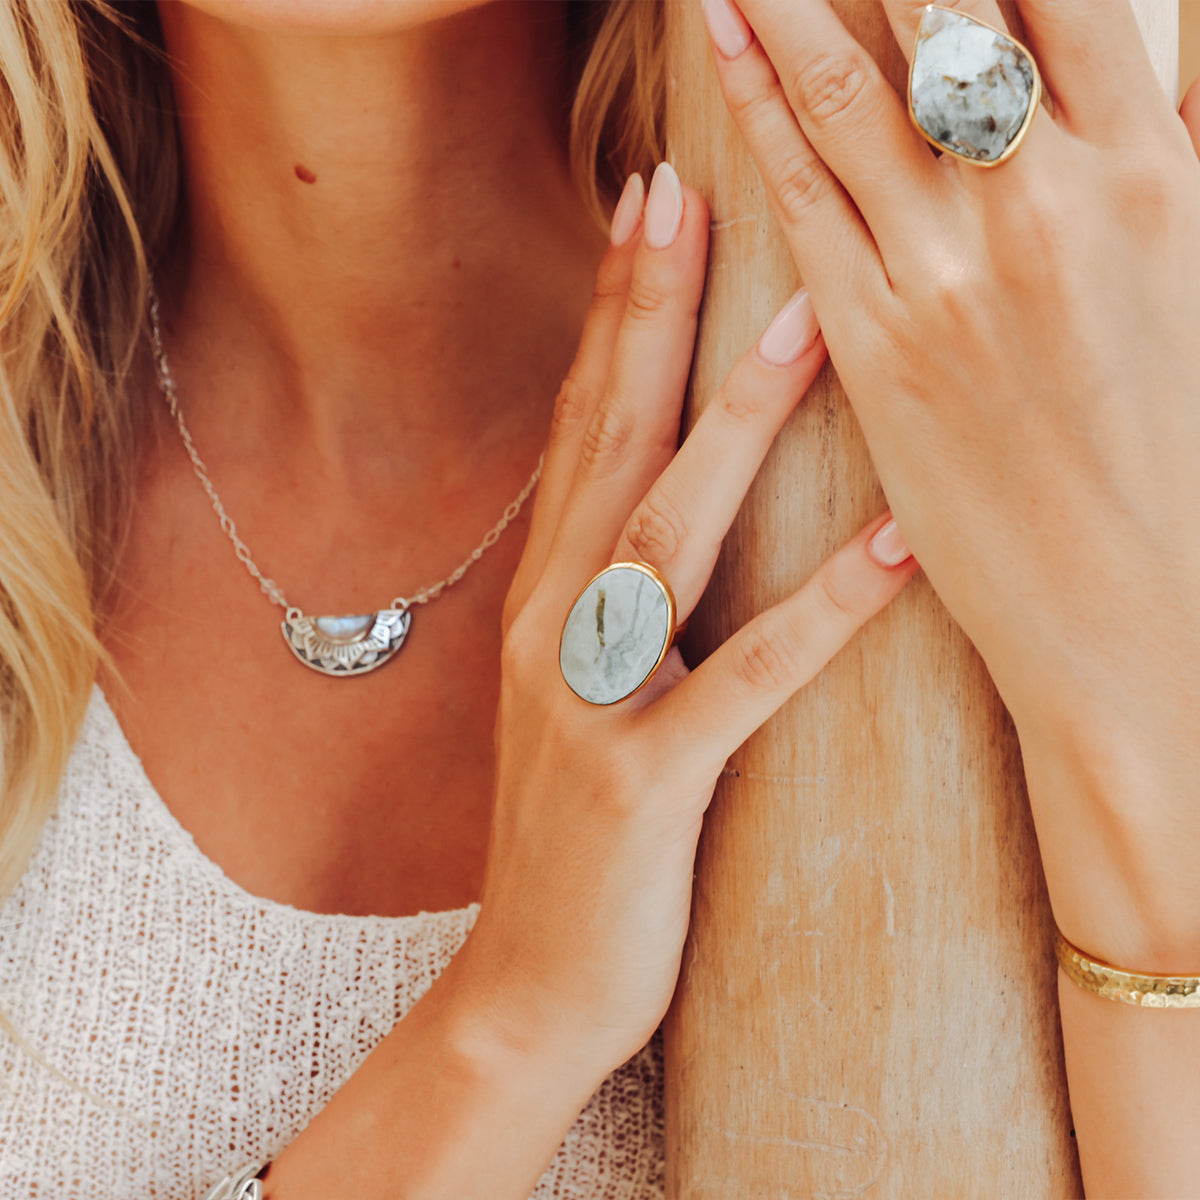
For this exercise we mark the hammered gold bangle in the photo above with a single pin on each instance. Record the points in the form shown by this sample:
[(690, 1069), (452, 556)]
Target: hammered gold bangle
[(1148, 991)]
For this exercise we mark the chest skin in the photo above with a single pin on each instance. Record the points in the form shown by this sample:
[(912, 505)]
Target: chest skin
[(363, 795)]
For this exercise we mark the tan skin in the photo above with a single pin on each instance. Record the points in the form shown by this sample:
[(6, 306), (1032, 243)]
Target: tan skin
[(284, 318), (448, 217), (359, 462)]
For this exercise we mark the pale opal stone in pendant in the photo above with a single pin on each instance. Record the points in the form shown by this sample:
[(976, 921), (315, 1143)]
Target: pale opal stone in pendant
[(970, 87), (345, 629), (615, 635), (345, 646)]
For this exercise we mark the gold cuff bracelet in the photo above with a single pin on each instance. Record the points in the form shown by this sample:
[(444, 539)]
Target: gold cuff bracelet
[(1148, 991)]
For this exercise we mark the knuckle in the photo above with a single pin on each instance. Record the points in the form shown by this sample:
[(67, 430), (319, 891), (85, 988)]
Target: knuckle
[(804, 181), (608, 293), (836, 592), (644, 301), (514, 604), (833, 84), (517, 650), (508, 614), (606, 440), (950, 294), (755, 106), (571, 408), (1039, 211), (657, 530), (1039, 217), (767, 658), (1147, 199), (741, 407), (621, 796)]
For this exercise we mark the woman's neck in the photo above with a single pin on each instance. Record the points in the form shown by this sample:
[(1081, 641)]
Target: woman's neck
[(380, 229)]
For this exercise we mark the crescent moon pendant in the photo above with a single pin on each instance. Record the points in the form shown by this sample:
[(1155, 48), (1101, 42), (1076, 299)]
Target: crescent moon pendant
[(350, 645)]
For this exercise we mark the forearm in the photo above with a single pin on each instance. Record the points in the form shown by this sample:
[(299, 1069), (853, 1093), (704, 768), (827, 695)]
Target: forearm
[(449, 1106), (1120, 845), (1135, 1095)]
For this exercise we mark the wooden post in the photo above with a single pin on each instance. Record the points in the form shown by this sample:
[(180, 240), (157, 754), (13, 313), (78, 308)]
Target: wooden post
[(867, 1000)]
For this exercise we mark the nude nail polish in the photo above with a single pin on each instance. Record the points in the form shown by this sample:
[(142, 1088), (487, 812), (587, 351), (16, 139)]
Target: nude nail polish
[(793, 330), (887, 547), (664, 208), (628, 213), (726, 26)]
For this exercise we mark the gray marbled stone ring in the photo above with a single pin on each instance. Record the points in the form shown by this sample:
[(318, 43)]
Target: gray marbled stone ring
[(973, 91), (617, 633)]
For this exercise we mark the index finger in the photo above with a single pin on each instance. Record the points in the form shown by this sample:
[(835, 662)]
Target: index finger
[(843, 108)]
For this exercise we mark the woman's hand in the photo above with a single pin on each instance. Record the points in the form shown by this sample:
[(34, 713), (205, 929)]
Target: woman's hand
[(1020, 346), (598, 810), (574, 956)]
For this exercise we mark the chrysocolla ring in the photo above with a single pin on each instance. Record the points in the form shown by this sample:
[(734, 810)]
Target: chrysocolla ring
[(617, 633), (973, 91)]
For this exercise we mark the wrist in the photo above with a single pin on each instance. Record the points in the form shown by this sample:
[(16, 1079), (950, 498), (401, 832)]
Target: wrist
[(1116, 802), (499, 1016)]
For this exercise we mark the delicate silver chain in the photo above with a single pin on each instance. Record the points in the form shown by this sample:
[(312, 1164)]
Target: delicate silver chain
[(270, 589)]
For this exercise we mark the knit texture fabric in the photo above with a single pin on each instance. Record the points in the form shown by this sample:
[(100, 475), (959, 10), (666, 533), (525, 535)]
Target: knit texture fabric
[(167, 1027)]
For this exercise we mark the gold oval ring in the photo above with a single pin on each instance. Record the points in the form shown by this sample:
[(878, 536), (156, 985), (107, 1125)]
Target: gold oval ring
[(617, 633)]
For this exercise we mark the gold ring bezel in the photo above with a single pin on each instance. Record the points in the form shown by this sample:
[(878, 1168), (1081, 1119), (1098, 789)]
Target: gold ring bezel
[(672, 627), (1035, 99)]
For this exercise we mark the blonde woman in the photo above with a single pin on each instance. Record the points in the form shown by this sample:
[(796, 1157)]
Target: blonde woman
[(241, 936), (357, 266)]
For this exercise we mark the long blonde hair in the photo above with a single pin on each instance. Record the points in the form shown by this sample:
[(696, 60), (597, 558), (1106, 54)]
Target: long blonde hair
[(90, 196)]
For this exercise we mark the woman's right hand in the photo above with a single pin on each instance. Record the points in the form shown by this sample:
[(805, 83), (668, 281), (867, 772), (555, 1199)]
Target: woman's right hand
[(598, 809), (573, 959)]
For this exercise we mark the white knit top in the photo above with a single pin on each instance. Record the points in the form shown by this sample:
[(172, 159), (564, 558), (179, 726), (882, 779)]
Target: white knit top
[(167, 1027)]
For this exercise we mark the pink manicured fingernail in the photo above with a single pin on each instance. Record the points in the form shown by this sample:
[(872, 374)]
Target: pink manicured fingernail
[(628, 213), (726, 26), (887, 547), (664, 207), (793, 331)]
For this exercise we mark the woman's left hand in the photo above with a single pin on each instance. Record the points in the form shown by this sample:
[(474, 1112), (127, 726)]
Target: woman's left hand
[(1021, 348)]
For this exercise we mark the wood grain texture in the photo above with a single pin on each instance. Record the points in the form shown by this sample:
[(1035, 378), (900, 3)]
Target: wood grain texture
[(1189, 43), (867, 1005)]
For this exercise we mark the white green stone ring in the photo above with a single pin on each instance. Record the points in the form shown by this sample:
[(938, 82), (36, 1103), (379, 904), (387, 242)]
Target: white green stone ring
[(617, 633), (972, 90)]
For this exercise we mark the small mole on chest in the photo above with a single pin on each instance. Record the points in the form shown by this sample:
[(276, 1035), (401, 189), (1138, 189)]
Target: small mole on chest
[(304, 174)]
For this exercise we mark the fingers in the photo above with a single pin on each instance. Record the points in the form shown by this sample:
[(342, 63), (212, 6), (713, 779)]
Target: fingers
[(681, 522), (827, 236), (1090, 53), (580, 393), (634, 431), (1095, 65), (725, 699), (844, 107)]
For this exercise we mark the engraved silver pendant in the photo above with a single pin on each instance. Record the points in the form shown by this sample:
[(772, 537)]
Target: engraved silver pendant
[(350, 645)]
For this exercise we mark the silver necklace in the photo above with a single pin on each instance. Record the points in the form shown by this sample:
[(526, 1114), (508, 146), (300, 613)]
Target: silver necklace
[(341, 646)]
